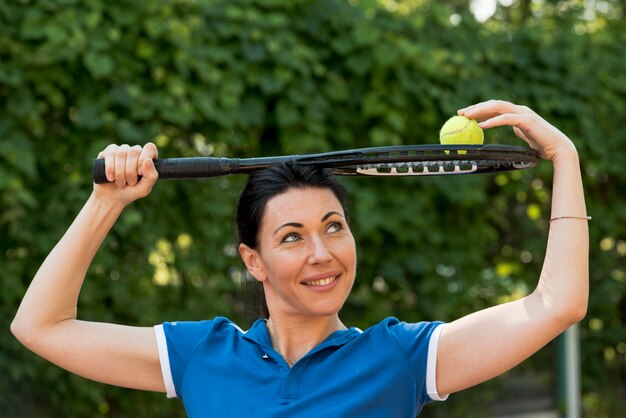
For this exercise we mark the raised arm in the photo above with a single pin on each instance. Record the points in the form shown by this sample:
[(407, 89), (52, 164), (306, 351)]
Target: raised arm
[(46, 321), (487, 343)]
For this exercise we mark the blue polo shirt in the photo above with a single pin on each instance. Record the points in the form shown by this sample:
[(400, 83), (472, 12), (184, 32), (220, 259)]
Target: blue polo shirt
[(219, 370)]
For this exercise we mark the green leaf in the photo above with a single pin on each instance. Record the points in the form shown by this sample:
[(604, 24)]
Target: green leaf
[(129, 132), (18, 153), (99, 65), (287, 114)]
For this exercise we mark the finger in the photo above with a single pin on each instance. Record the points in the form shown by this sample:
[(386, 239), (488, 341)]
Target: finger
[(132, 164), (149, 178), (523, 125), (522, 121), (491, 108), (494, 106), (120, 165), (469, 111), (520, 134), (149, 151), (151, 174), (108, 154)]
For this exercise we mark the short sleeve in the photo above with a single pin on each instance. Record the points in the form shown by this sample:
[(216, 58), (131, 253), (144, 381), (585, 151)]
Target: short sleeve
[(419, 342), (177, 342)]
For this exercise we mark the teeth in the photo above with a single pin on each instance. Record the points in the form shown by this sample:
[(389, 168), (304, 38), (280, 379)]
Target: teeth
[(322, 282)]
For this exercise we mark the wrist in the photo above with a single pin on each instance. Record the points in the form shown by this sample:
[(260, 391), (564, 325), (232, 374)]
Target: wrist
[(105, 203), (566, 155)]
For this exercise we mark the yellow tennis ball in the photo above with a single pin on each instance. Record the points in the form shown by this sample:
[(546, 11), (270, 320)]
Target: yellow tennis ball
[(459, 130)]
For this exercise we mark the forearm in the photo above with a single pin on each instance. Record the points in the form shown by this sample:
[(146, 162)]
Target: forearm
[(511, 332), (564, 282), (53, 294)]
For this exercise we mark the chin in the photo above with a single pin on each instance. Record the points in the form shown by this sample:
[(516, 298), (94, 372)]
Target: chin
[(326, 309)]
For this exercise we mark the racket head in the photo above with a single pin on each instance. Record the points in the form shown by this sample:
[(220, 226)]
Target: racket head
[(426, 160)]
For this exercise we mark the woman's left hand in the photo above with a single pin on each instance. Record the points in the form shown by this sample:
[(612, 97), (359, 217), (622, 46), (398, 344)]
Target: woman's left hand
[(543, 137)]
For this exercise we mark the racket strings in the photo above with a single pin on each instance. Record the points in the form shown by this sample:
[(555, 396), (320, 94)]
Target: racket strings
[(438, 167)]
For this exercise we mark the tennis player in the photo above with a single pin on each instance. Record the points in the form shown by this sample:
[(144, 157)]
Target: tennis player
[(303, 361)]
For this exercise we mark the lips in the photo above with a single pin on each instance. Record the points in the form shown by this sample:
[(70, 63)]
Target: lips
[(321, 282)]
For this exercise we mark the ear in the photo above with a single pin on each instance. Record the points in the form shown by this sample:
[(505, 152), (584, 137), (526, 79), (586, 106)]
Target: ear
[(252, 260)]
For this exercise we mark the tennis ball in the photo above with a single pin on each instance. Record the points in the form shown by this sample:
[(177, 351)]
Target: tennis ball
[(461, 130)]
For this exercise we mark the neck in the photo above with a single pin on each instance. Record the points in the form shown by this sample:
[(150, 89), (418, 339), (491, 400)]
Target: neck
[(294, 337)]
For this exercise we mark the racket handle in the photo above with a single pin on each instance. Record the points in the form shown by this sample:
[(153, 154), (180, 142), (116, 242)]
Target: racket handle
[(180, 168)]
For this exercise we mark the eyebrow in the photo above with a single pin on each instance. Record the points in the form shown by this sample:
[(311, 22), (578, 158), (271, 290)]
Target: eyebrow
[(299, 225)]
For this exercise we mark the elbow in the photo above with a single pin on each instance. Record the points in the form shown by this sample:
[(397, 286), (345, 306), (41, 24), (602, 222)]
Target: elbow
[(563, 309), (35, 335), (24, 333), (571, 314), (580, 313), (576, 310), (35, 330), (20, 332)]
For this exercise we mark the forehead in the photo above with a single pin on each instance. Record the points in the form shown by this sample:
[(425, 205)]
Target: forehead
[(298, 204)]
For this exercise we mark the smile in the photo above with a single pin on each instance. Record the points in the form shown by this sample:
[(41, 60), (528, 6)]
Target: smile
[(321, 282)]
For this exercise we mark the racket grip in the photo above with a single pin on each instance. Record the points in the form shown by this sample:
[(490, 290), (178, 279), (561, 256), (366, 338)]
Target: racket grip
[(180, 168)]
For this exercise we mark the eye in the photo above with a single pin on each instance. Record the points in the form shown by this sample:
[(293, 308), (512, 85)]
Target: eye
[(290, 237), (334, 227)]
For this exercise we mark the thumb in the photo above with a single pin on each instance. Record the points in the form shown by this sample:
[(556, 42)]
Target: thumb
[(149, 170), (520, 134), (150, 175)]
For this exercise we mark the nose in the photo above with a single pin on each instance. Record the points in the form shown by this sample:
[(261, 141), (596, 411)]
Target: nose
[(318, 251)]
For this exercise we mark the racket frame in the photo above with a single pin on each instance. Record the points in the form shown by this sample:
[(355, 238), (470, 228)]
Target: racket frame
[(398, 160)]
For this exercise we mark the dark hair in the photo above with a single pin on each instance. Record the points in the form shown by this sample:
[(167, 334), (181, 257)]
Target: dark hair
[(265, 184), (259, 189)]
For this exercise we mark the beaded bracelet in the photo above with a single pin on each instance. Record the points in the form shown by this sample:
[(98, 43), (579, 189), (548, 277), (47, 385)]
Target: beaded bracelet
[(587, 218)]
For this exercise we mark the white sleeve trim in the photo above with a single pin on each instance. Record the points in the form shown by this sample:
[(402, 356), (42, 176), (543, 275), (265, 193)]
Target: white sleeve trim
[(431, 366), (164, 358)]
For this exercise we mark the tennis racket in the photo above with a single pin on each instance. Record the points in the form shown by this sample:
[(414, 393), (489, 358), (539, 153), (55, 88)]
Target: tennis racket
[(401, 160)]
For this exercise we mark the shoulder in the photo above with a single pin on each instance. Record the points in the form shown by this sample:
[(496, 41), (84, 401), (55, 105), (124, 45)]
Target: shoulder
[(416, 338), (195, 330), (394, 326)]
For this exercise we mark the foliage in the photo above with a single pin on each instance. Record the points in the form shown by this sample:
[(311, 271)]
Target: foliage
[(257, 77)]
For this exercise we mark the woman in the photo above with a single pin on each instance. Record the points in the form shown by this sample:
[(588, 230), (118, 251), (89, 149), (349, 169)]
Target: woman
[(302, 360)]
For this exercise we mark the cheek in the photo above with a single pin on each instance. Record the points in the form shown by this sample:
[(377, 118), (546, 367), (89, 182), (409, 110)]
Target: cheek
[(285, 265), (346, 251)]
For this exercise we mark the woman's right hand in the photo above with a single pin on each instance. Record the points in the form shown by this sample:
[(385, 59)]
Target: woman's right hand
[(130, 170), (543, 137)]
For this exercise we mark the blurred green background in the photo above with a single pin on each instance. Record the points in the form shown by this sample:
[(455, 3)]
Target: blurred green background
[(263, 77)]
